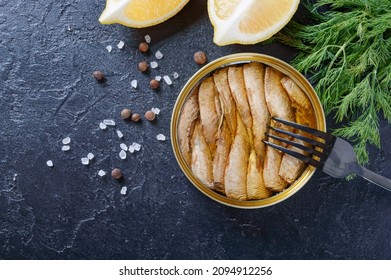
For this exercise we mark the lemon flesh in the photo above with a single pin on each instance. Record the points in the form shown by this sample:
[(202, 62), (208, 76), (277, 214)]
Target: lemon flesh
[(249, 21), (140, 13)]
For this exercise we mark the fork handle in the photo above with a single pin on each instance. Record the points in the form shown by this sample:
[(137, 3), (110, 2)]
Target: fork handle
[(373, 177)]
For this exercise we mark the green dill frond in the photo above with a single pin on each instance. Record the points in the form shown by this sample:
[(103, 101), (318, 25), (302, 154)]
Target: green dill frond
[(347, 55)]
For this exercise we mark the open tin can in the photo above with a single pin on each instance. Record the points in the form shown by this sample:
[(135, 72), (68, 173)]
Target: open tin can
[(239, 59)]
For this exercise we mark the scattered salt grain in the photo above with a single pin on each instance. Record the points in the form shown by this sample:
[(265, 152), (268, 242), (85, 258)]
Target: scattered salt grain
[(90, 156), (158, 78), (158, 55), (123, 146), (121, 44), (119, 134), (124, 190), (122, 154), (136, 146), (147, 38), (85, 161), (167, 79), (66, 148), (131, 149), (160, 137), (109, 122), (175, 75), (134, 83), (109, 48), (156, 111), (66, 140), (49, 163), (14, 178), (154, 64), (101, 173), (102, 126)]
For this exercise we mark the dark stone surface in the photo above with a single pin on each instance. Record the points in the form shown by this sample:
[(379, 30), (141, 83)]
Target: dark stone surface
[(48, 51)]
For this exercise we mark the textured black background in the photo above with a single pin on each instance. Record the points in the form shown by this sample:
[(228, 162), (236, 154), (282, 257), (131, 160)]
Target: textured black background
[(48, 50)]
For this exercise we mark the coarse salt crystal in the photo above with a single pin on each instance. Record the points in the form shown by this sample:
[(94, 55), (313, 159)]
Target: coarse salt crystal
[(136, 146), (134, 83), (167, 79), (124, 190), (175, 75), (66, 148), (49, 163), (147, 38), (131, 149), (158, 78), (154, 64), (119, 134), (109, 48), (158, 55), (101, 173), (156, 111), (66, 140), (85, 161), (109, 122), (102, 126), (123, 146), (121, 44), (160, 137), (122, 154), (90, 156)]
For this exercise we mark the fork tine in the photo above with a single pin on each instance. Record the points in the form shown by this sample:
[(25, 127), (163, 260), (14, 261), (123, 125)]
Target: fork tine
[(324, 135), (297, 145), (298, 136), (308, 160)]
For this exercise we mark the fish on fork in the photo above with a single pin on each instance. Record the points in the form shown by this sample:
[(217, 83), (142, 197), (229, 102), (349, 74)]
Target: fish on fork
[(333, 155)]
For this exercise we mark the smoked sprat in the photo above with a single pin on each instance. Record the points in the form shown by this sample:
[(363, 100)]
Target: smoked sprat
[(223, 124)]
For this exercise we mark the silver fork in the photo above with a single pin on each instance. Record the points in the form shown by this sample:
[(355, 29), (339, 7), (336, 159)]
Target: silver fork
[(332, 155)]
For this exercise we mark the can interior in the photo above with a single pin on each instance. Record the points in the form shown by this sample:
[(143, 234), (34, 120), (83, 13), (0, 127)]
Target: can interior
[(207, 71)]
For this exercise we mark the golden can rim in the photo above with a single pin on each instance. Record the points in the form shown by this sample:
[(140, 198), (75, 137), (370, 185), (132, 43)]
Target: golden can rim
[(241, 58)]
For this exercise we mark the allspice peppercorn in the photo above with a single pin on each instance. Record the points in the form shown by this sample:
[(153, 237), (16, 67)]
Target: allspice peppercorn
[(200, 57), (142, 66), (116, 173), (154, 84), (98, 75), (136, 117), (143, 47), (126, 113), (149, 115)]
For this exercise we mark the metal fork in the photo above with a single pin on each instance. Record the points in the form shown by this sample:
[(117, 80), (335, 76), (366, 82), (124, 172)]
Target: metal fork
[(331, 154)]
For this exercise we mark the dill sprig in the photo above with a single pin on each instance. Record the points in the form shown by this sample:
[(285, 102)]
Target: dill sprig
[(347, 55)]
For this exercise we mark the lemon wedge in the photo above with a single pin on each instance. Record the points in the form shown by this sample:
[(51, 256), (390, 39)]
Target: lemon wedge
[(248, 21), (140, 13)]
